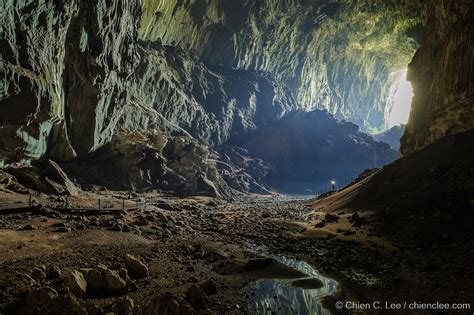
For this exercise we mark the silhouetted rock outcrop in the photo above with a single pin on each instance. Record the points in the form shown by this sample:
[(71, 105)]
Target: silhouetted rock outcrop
[(391, 136), (442, 74), (306, 150)]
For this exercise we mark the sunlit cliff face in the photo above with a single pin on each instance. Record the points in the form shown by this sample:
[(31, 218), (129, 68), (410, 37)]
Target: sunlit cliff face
[(398, 106)]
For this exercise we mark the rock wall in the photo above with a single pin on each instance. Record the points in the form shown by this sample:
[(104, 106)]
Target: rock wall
[(442, 75), (65, 67), (73, 74), (335, 55), (74, 77), (31, 65), (174, 90)]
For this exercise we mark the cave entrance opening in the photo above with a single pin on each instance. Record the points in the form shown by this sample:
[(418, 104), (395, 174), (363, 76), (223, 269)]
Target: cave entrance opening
[(399, 99)]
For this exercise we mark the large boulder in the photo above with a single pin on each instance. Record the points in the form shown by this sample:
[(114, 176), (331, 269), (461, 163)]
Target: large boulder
[(47, 177)]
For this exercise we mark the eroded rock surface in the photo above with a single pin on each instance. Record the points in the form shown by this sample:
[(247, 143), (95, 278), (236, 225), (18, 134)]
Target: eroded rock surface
[(335, 55), (77, 76), (442, 74)]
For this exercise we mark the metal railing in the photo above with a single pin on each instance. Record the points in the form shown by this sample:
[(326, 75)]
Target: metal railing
[(338, 186)]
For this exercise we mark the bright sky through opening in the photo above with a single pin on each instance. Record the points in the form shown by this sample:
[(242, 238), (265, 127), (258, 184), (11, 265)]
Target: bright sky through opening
[(402, 95)]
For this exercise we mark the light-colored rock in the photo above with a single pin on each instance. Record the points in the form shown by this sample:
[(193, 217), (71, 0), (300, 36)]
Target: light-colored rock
[(135, 267), (38, 273), (123, 273), (76, 283), (113, 280)]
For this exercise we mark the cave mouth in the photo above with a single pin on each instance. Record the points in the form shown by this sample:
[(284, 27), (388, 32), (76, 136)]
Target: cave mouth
[(397, 110)]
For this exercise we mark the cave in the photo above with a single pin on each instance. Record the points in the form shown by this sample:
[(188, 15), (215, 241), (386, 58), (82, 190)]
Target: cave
[(236, 157)]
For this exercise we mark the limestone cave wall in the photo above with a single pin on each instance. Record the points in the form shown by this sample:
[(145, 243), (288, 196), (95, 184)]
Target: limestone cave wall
[(334, 55), (442, 75), (74, 73)]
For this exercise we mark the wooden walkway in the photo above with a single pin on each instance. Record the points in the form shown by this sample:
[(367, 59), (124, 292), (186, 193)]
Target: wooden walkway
[(64, 210)]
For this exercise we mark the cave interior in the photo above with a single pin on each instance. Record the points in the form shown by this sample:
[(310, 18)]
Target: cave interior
[(236, 157)]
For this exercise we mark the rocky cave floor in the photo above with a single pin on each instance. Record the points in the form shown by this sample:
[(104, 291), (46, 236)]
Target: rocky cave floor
[(198, 254)]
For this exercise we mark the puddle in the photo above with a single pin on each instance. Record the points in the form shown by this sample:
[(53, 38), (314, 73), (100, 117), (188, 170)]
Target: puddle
[(291, 296)]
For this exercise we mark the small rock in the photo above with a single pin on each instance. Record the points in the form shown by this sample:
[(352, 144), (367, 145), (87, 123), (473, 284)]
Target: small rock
[(113, 281), (95, 279), (38, 274), (320, 224), (80, 226), (54, 272), (76, 283), (63, 230), (41, 296), (162, 217), (135, 267), (162, 304), (65, 304), (196, 298), (124, 306), (209, 287), (116, 227), (123, 273), (331, 217), (150, 217), (27, 279), (28, 227), (141, 222)]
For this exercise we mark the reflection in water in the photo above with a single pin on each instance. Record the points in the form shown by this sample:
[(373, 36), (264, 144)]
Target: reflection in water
[(278, 296)]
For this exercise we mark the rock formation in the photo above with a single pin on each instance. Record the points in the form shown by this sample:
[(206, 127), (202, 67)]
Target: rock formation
[(156, 93), (335, 55), (80, 88), (65, 67), (391, 136), (442, 75), (307, 150), (91, 77)]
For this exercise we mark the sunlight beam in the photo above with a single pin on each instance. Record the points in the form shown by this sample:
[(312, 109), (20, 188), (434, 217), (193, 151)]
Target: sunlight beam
[(399, 101)]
